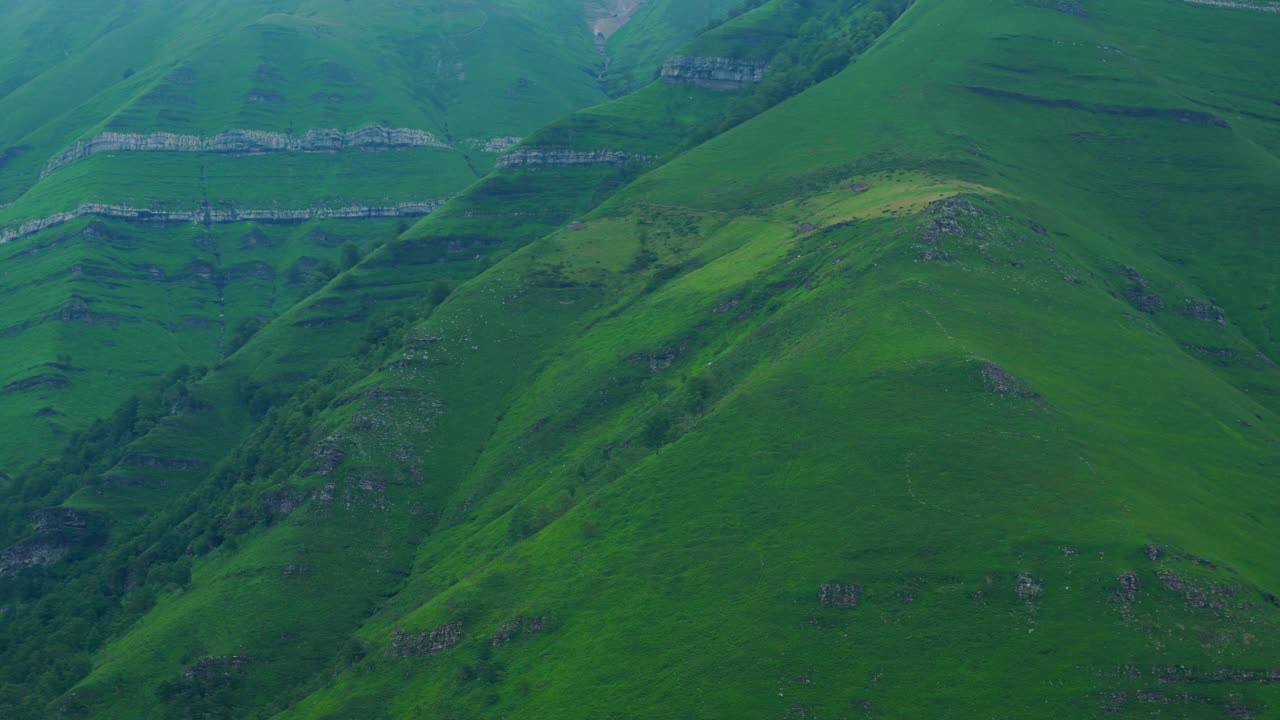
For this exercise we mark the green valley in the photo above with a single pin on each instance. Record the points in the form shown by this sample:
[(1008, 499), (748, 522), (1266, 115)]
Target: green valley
[(791, 359)]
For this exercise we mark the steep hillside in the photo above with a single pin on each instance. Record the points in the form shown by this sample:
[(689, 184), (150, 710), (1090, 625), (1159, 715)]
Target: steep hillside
[(158, 472), (945, 388), (192, 131)]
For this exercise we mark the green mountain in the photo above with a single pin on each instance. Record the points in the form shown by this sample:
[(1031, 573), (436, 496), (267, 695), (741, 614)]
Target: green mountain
[(874, 359)]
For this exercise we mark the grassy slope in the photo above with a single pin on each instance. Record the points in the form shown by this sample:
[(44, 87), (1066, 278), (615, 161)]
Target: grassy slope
[(465, 73), (657, 28), (105, 293), (328, 336), (711, 413)]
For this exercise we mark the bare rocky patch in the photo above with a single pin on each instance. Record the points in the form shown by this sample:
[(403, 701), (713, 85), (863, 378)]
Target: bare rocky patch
[(999, 381), (427, 642), (835, 594), (1204, 311)]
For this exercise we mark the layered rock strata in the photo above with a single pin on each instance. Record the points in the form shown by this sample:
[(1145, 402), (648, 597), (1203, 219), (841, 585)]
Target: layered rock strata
[(248, 142), (717, 73), (208, 214), (564, 156)]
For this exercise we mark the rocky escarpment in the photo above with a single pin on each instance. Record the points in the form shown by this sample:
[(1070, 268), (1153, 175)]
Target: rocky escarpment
[(54, 519), (57, 532), (564, 156), (248, 142), (208, 214), (493, 145), (1238, 5), (717, 73)]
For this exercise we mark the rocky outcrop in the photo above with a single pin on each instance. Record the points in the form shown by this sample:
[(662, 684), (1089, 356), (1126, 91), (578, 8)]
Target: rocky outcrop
[(1184, 674), (54, 519), (840, 595), (1129, 587), (1237, 5), (1204, 311), (248, 142), (1139, 292), (38, 553), (209, 214), (326, 455), (407, 644), (531, 156), (493, 145), (1028, 588), (717, 73), (58, 531)]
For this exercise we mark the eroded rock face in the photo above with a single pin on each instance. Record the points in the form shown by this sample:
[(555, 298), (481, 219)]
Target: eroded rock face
[(428, 642), (56, 518), (1139, 292), (717, 73), (1129, 587), (1171, 580), (207, 214), (326, 455), (564, 156), (248, 142), (31, 554)]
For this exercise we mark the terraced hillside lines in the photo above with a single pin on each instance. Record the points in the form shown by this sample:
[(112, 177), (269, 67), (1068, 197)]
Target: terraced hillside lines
[(1258, 6), (108, 302), (247, 142), (208, 216), (315, 111)]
